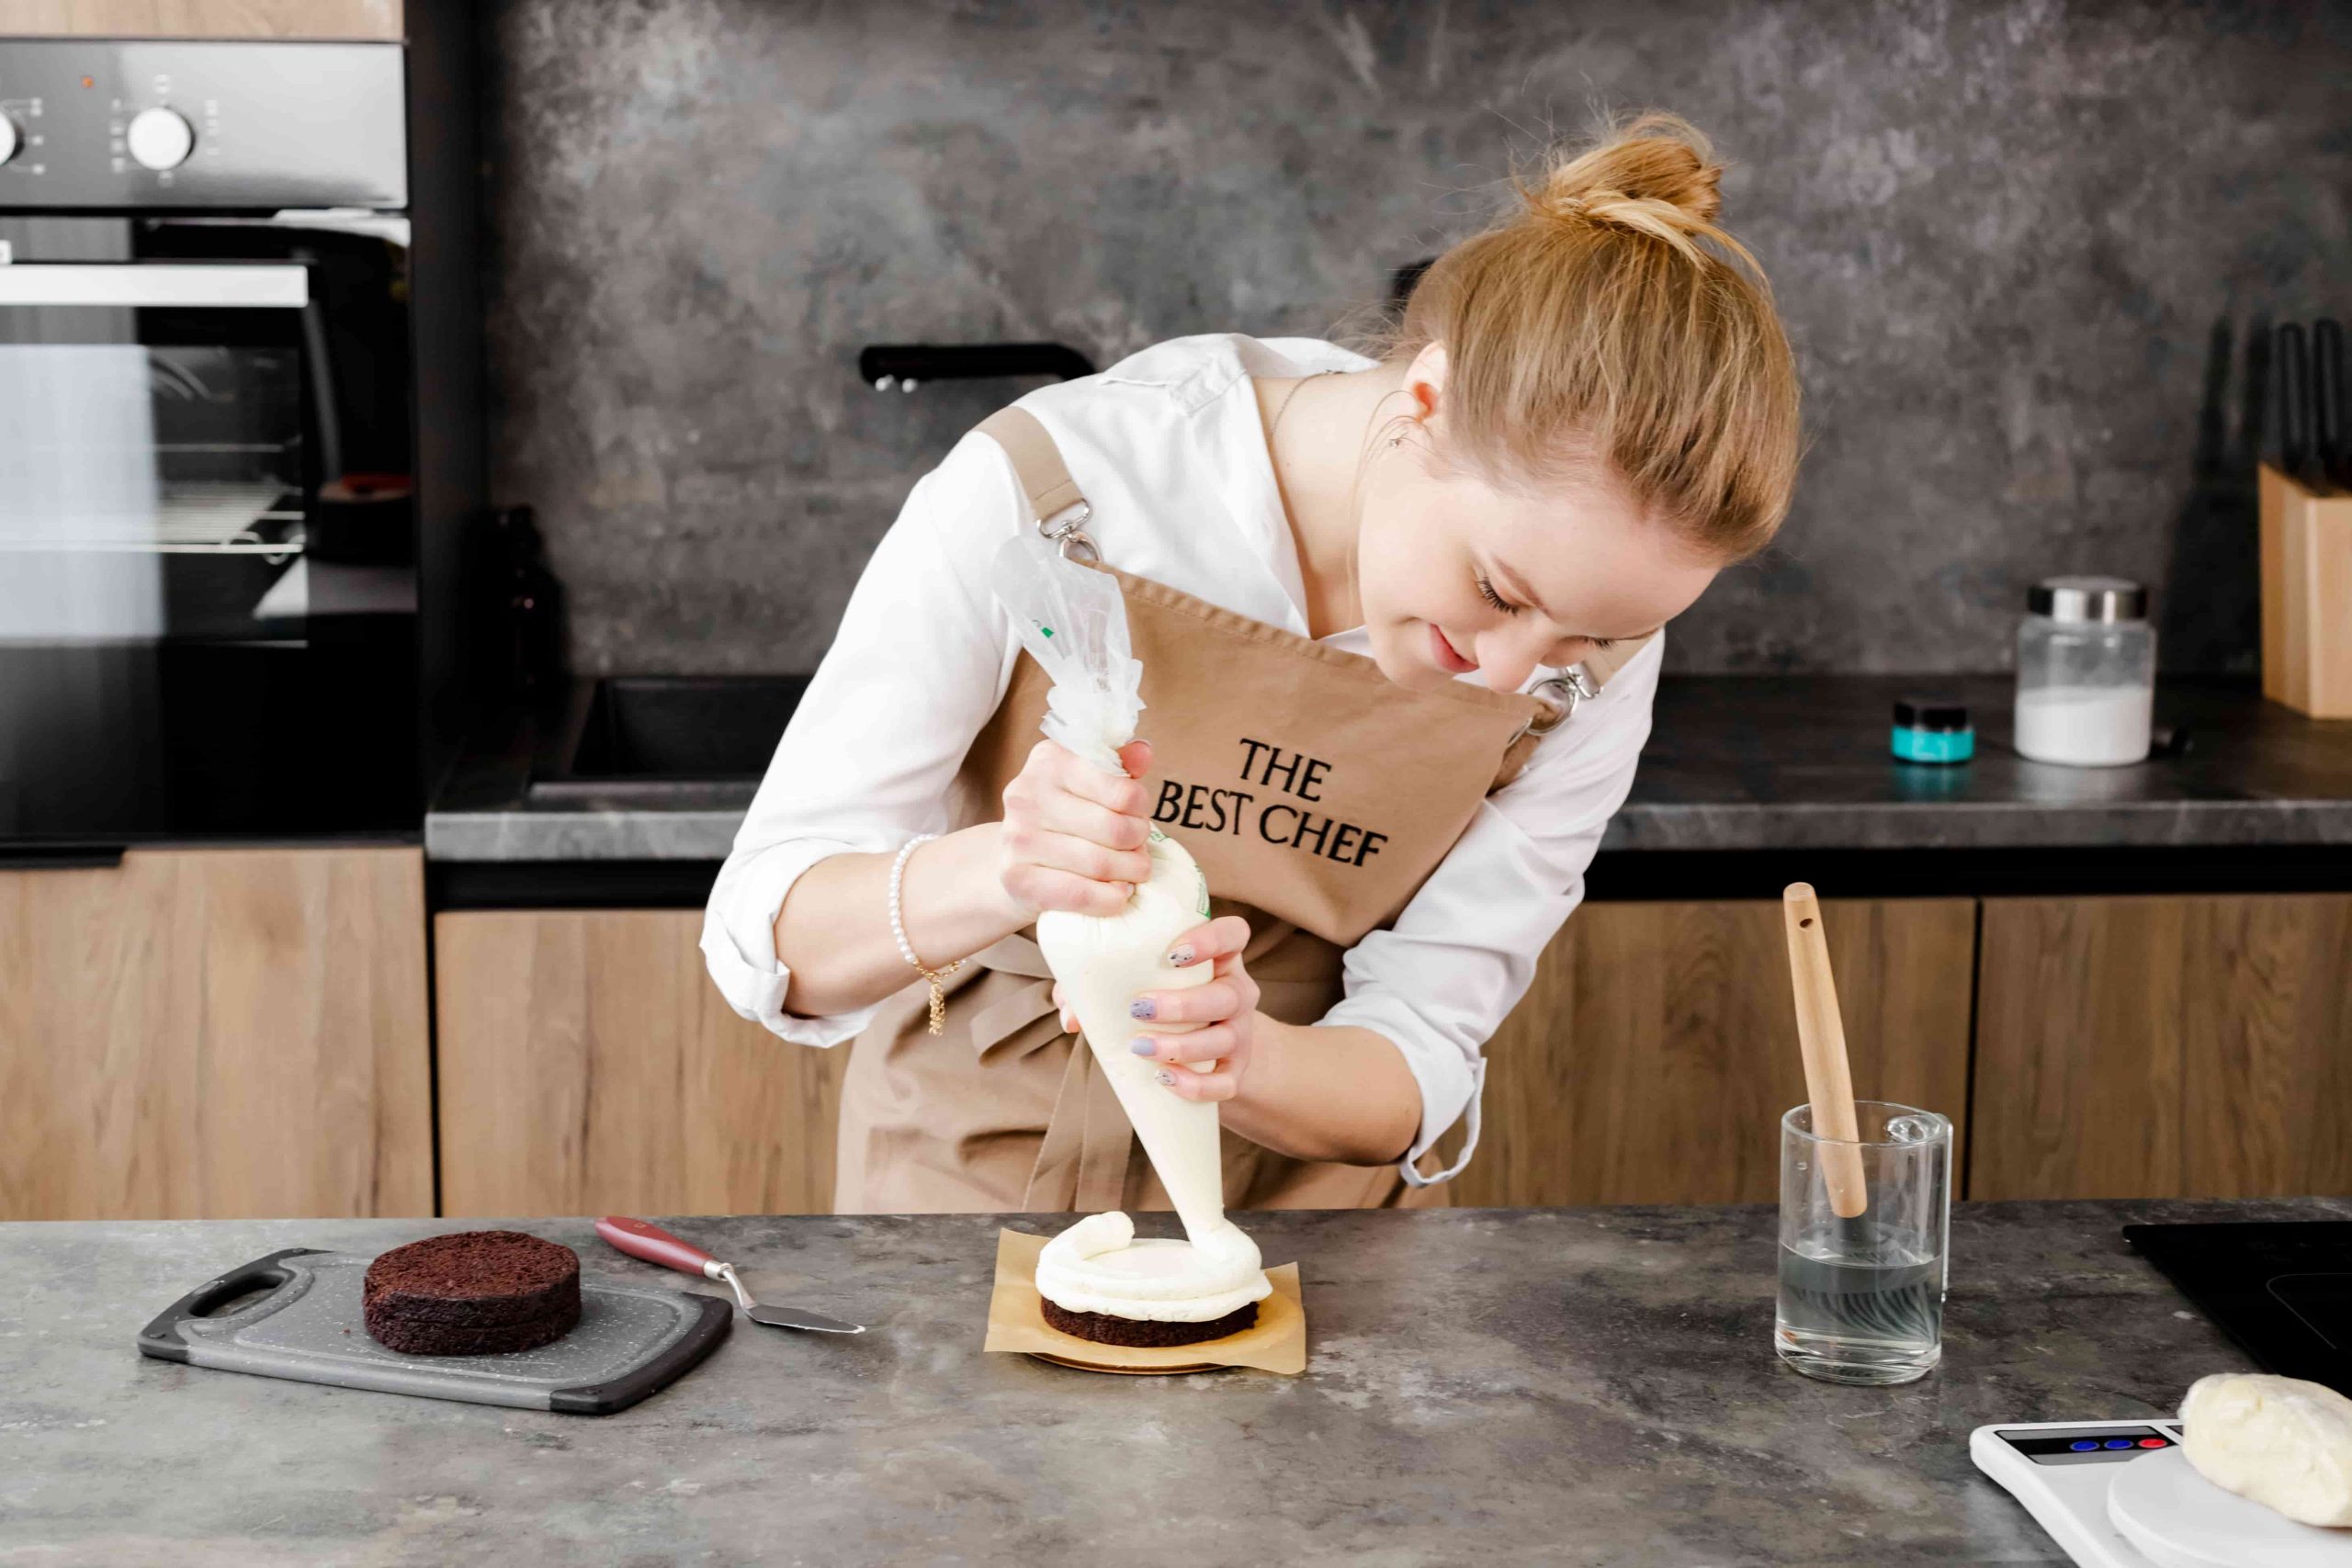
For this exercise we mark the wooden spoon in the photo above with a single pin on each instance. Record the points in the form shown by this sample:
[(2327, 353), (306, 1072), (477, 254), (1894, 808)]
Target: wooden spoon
[(1828, 1081)]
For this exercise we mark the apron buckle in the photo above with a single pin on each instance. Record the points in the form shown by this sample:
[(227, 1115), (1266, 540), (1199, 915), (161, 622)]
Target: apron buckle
[(1572, 690), (1066, 529)]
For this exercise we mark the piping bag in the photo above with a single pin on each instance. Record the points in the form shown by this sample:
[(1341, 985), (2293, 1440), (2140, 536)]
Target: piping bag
[(1073, 622)]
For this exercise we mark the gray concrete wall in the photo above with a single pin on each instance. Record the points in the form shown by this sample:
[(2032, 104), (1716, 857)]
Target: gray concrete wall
[(2022, 248)]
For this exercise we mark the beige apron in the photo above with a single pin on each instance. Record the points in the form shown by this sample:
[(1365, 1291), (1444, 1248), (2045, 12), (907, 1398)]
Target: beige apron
[(1317, 795)]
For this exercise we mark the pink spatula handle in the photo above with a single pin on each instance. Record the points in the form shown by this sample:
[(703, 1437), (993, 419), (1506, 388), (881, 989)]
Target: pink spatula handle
[(654, 1245)]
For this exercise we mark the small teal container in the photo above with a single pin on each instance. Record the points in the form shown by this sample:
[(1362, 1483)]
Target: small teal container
[(1927, 730)]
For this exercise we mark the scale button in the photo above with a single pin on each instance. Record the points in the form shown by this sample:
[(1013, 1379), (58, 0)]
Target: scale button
[(2119, 1443), (2083, 1445), (2154, 1443)]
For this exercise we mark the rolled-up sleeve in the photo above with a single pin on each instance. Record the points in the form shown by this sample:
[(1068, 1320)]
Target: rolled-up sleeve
[(1442, 979), (919, 662)]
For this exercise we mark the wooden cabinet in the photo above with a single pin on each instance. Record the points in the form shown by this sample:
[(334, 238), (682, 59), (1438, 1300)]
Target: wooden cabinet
[(2124, 1048), (216, 1033), (1657, 1049), (2164, 1047), (202, 18), (589, 1066)]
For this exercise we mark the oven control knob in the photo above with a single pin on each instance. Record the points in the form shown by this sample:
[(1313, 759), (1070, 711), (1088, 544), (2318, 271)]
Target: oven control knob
[(10, 138), (160, 139)]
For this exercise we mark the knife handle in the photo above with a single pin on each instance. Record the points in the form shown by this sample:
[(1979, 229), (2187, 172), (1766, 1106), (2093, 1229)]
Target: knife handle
[(655, 1245), (2330, 436), (2294, 401)]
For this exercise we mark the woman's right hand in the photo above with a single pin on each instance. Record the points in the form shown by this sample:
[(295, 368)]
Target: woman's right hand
[(1073, 835)]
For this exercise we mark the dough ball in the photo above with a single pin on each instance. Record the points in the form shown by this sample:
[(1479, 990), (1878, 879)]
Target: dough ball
[(2281, 1442)]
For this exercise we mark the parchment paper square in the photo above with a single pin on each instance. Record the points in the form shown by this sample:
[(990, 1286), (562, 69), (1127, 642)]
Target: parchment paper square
[(1275, 1343)]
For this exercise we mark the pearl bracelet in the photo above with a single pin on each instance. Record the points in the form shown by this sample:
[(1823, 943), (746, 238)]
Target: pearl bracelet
[(906, 948)]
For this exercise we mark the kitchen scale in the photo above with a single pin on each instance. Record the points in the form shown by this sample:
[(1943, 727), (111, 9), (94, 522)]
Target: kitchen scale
[(2120, 1494)]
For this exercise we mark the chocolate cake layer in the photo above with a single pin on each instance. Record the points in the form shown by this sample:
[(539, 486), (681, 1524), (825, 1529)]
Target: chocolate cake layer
[(446, 1340), (475, 1292), (1104, 1329)]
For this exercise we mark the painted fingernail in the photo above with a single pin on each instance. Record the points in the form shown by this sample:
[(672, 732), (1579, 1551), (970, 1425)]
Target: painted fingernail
[(1167, 1079), (1144, 1046), (1143, 1007), (1181, 956)]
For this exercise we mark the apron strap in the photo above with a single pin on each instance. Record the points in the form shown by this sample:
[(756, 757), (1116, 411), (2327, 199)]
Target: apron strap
[(1036, 461), (1556, 697), (1083, 1161), (1603, 662)]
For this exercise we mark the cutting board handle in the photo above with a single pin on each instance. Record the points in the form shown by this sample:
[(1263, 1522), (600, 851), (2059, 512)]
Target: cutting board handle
[(161, 1338)]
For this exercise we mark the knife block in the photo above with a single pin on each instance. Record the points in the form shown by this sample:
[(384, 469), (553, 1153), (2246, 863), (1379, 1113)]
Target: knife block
[(2306, 597)]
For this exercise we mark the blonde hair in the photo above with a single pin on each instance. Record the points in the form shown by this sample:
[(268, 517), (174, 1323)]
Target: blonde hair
[(1608, 320)]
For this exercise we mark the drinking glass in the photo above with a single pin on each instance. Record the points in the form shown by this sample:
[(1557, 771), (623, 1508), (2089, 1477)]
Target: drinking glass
[(1861, 1300)]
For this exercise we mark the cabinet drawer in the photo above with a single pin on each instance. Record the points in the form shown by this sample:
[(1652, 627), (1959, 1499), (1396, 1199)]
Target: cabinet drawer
[(589, 1066), (1657, 1049), (216, 1034), (2192, 1046)]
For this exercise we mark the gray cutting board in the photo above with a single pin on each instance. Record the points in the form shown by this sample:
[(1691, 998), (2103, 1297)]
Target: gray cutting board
[(630, 1341)]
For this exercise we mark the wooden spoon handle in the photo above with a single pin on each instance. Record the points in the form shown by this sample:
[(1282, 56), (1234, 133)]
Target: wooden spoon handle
[(1828, 1082)]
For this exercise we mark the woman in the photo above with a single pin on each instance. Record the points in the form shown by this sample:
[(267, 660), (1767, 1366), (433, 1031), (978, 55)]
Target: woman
[(1397, 619)]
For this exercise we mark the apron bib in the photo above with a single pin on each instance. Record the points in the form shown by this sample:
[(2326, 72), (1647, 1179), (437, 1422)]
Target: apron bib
[(1316, 794)]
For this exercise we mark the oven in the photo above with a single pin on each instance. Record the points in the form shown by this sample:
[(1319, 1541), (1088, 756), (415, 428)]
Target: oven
[(208, 520)]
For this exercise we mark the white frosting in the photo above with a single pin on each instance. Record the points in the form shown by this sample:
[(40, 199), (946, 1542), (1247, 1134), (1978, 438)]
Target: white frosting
[(2281, 1442), (1097, 1265), (1102, 964)]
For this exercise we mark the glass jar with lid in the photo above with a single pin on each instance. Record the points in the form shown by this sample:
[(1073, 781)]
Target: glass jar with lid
[(2087, 672)]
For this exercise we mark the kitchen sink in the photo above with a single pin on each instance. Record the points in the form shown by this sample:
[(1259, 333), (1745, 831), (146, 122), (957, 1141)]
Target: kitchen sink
[(636, 734)]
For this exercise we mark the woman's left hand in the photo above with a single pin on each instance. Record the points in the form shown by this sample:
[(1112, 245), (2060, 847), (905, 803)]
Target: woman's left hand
[(1225, 1008)]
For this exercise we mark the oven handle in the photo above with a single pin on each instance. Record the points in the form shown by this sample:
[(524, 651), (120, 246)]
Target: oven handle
[(156, 284)]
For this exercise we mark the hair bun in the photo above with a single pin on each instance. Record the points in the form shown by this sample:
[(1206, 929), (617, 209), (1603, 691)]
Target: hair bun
[(1603, 324), (1656, 174)]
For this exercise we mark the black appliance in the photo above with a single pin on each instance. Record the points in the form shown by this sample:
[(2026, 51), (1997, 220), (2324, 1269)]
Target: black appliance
[(1404, 280), (903, 366), (2283, 1289), (218, 522)]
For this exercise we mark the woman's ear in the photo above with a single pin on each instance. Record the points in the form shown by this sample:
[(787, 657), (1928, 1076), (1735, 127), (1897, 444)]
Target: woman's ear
[(1425, 381)]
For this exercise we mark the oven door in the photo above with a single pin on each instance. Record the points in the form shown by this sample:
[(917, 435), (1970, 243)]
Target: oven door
[(206, 582)]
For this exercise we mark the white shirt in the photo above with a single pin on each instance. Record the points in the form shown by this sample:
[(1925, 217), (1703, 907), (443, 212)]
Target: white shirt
[(1169, 451)]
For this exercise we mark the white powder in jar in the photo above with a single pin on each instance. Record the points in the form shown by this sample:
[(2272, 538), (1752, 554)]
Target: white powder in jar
[(2086, 727)]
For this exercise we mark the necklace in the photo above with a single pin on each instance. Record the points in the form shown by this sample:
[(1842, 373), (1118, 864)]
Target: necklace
[(1274, 461), (1284, 407)]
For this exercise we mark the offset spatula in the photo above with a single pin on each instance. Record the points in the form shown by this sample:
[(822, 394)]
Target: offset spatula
[(657, 1246)]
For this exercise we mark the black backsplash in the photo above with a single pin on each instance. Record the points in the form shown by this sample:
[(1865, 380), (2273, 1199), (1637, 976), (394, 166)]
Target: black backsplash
[(2022, 249)]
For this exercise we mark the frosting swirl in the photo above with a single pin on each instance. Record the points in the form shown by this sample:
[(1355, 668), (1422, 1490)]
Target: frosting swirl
[(1098, 1266)]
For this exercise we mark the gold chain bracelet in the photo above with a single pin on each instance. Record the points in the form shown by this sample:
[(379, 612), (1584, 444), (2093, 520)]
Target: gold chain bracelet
[(905, 948)]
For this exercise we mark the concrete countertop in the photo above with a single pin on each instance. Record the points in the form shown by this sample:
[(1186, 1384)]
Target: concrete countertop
[(1733, 762), (1755, 762), (1564, 1386)]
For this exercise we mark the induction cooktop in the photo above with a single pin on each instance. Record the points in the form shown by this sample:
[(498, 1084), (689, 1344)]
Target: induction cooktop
[(2282, 1291)]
